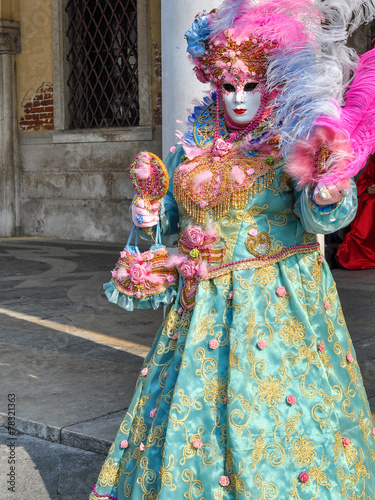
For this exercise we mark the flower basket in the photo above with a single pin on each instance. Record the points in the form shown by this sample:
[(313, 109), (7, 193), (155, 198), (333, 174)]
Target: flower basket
[(142, 280)]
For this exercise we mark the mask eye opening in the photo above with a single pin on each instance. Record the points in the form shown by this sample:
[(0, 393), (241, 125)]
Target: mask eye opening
[(249, 87), (229, 87)]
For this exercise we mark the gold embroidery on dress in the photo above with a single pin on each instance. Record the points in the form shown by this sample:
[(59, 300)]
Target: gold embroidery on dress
[(195, 486), (292, 331), (303, 451), (259, 244), (271, 390), (202, 184), (109, 475), (166, 477)]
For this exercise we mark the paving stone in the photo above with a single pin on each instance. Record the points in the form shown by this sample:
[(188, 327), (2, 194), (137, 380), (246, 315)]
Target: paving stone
[(48, 471)]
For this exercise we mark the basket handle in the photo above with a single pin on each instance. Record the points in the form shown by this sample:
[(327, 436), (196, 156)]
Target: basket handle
[(136, 230), (158, 233)]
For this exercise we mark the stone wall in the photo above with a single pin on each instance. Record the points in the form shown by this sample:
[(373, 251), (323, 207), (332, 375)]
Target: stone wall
[(78, 190)]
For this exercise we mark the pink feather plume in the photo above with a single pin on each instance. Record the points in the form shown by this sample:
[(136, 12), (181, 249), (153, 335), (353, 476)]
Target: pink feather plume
[(350, 137), (122, 273), (175, 260), (143, 171), (283, 22), (200, 179), (301, 163), (237, 175), (184, 169)]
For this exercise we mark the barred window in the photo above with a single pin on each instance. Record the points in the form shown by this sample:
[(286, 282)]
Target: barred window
[(103, 63)]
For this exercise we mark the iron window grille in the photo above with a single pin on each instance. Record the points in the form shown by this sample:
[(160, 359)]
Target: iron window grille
[(103, 63)]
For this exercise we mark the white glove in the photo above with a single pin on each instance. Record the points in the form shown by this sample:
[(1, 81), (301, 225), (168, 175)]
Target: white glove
[(144, 217), (328, 194)]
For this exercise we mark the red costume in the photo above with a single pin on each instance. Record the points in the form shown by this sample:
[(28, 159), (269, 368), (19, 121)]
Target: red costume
[(358, 248)]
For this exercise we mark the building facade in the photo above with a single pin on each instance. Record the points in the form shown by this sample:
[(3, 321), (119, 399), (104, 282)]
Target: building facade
[(80, 96)]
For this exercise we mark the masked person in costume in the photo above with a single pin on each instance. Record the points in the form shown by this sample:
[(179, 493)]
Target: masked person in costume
[(252, 388), (357, 251)]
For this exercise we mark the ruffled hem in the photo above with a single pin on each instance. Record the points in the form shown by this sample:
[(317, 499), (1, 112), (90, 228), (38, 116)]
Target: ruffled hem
[(131, 303)]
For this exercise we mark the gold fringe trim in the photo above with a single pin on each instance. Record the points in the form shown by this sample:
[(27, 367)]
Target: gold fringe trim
[(218, 199)]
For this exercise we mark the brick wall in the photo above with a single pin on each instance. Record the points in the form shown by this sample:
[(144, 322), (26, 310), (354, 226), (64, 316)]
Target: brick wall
[(38, 109)]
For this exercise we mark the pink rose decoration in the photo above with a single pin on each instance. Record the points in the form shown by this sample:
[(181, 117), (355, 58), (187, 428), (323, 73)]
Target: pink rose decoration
[(200, 74), (203, 204), (144, 372), (349, 357), (170, 278), (224, 481), (321, 347), (230, 54), (254, 232), (214, 344), (346, 442), (250, 171), (172, 149), (189, 269), (180, 311), (281, 291), (221, 148), (142, 447), (114, 274), (373, 431), (194, 236), (123, 254), (240, 69), (165, 375), (197, 443), (261, 344), (139, 271), (304, 477), (153, 413), (124, 444), (230, 295), (150, 255), (291, 400), (175, 336), (138, 295), (326, 305), (320, 259)]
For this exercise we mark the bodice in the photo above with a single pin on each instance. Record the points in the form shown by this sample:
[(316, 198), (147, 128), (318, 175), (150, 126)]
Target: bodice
[(238, 212)]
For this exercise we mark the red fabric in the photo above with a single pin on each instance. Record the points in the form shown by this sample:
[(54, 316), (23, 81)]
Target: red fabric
[(358, 248)]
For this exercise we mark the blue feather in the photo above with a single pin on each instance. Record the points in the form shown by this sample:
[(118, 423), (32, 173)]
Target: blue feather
[(188, 137)]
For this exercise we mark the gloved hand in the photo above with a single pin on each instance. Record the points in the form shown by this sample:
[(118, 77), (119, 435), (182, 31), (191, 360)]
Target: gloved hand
[(145, 217), (328, 194)]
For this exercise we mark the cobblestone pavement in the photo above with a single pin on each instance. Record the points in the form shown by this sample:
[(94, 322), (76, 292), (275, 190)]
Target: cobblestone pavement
[(72, 359)]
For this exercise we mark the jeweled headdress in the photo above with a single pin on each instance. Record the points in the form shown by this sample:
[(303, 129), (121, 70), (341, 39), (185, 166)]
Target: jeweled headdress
[(239, 38)]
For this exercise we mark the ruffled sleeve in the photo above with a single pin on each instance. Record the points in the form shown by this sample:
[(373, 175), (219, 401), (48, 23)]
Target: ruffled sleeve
[(325, 219)]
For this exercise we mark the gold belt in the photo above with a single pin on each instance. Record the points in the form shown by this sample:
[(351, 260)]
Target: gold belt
[(258, 262)]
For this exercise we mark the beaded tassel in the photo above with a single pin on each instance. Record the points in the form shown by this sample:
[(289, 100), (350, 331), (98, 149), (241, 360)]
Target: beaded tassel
[(221, 192)]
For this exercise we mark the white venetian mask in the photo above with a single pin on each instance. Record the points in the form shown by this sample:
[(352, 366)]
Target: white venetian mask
[(241, 100)]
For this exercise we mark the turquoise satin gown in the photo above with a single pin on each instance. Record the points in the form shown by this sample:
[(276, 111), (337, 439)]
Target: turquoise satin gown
[(256, 392)]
